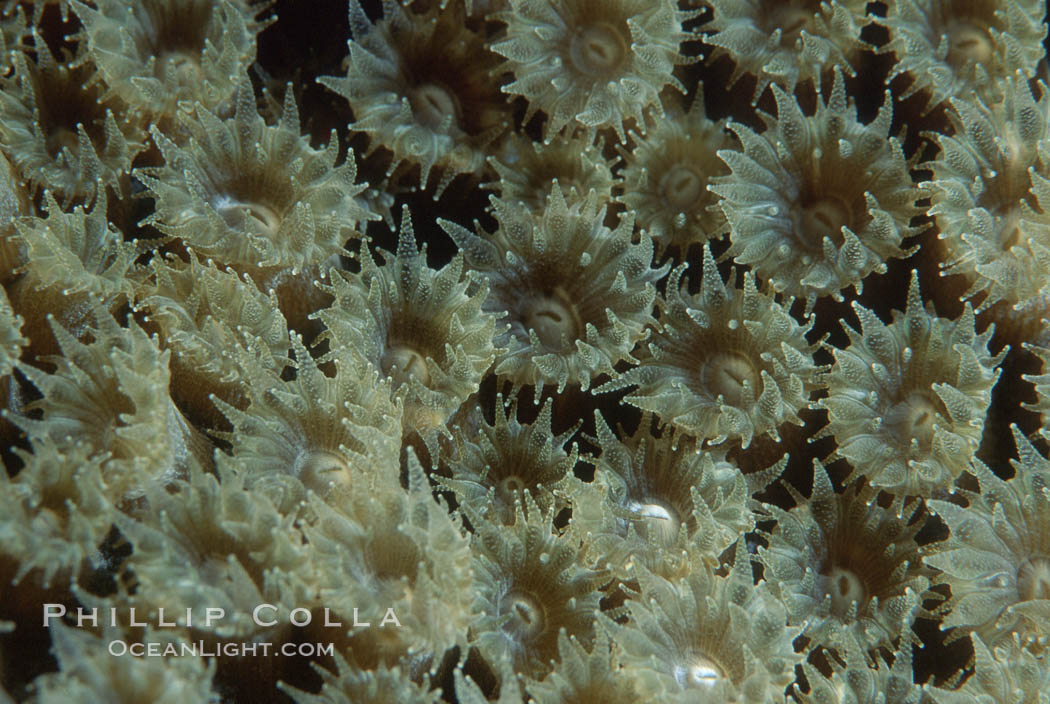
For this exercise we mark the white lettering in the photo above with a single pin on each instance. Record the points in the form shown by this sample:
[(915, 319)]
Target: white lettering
[(133, 623), (291, 617), (53, 611), (90, 616), (161, 623), (211, 613), (256, 618), (327, 619), (390, 617)]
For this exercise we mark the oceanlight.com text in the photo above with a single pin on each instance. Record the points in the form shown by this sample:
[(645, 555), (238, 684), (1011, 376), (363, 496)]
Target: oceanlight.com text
[(120, 648)]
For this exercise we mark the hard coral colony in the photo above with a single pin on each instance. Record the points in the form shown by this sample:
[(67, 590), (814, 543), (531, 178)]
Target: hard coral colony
[(525, 351)]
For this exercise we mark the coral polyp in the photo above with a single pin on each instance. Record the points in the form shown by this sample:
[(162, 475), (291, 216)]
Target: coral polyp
[(383, 685), (91, 673), (238, 548), (326, 431), (666, 174), (951, 49), (112, 394), (577, 295), (1009, 672), (847, 568), (526, 170), (727, 364), (816, 203), (990, 194), (708, 638), (72, 260), (493, 465), (419, 86), (672, 505), (906, 401), (585, 675), (853, 681), (422, 327), (531, 587), (785, 41), (997, 558), (55, 516), (204, 315), (592, 63), (158, 55), (385, 550), (60, 131), (253, 196)]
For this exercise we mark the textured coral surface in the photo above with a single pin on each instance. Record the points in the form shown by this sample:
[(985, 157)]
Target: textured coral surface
[(525, 351)]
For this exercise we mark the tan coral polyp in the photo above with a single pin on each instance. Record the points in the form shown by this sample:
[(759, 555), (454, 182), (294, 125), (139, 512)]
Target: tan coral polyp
[(823, 217), (407, 361), (968, 40), (727, 374), (67, 100), (1010, 234), (510, 488), (914, 419), (433, 103), (553, 316), (682, 187), (789, 18), (660, 521), (1033, 578), (183, 65), (703, 673), (323, 471), (61, 138), (597, 48), (527, 617), (395, 559), (845, 587), (266, 218)]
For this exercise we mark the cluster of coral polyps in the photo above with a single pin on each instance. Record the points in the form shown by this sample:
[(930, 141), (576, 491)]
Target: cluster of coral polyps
[(524, 351)]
